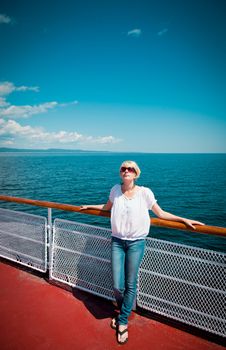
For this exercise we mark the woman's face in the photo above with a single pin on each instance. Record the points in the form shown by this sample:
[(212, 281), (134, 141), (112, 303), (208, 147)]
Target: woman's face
[(127, 172)]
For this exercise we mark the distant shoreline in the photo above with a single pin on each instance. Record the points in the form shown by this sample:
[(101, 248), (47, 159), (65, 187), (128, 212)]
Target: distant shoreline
[(59, 150)]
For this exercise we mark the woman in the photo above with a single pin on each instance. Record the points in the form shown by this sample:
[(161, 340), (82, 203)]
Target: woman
[(130, 223)]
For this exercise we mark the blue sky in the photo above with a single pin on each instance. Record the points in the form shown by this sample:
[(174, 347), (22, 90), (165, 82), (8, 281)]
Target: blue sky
[(147, 76)]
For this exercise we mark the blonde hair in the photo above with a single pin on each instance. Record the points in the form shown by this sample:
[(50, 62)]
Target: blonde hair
[(132, 164)]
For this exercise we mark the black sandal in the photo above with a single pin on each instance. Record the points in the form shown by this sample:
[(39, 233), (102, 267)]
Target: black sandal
[(121, 333), (114, 323)]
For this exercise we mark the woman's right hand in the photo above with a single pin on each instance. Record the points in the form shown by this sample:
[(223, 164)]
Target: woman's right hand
[(106, 206), (83, 207)]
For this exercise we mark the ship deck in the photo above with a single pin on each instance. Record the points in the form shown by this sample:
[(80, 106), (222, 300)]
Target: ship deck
[(36, 314)]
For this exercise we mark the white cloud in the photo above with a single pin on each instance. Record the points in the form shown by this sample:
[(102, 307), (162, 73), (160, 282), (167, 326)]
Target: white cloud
[(8, 143), (11, 128), (26, 110), (59, 137), (162, 32), (12, 133), (68, 104), (26, 88), (4, 19), (7, 88), (3, 102), (136, 33), (23, 111), (106, 139)]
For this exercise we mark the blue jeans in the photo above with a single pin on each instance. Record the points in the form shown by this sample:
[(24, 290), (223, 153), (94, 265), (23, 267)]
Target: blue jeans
[(126, 259)]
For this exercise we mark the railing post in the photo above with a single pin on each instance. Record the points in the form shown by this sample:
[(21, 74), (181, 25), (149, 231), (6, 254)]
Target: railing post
[(49, 241)]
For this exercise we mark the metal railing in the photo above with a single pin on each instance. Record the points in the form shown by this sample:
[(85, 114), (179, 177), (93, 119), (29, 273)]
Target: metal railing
[(23, 238), (184, 283), (214, 230), (181, 282), (81, 257)]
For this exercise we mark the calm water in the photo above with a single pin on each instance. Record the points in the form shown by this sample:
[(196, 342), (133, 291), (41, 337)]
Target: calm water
[(190, 185)]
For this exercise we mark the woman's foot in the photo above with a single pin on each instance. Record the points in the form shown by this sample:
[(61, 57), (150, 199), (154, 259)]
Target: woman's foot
[(122, 334), (114, 323)]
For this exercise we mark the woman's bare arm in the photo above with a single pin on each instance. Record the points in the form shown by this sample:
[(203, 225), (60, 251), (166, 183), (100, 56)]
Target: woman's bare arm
[(106, 206), (162, 214)]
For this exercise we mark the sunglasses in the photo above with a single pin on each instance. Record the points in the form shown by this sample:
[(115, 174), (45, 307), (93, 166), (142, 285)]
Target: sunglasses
[(130, 169)]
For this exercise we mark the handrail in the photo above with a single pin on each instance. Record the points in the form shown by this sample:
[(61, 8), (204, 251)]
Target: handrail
[(214, 230)]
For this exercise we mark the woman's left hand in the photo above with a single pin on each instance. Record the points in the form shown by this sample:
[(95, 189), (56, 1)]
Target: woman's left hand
[(191, 223)]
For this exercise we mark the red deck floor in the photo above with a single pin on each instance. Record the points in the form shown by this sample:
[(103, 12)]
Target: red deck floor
[(36, 315)]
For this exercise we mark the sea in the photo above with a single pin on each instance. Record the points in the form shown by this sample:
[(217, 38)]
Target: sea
[(188, 185)]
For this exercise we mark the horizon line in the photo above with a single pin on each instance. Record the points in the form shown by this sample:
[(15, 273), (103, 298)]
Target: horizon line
[(8, 149)]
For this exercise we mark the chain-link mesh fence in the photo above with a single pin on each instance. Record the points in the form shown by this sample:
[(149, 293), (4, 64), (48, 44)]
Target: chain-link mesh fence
[(23, 238), (81, 257), (184, 283)]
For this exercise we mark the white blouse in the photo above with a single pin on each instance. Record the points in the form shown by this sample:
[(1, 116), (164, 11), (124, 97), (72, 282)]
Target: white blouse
[(129, 216)]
